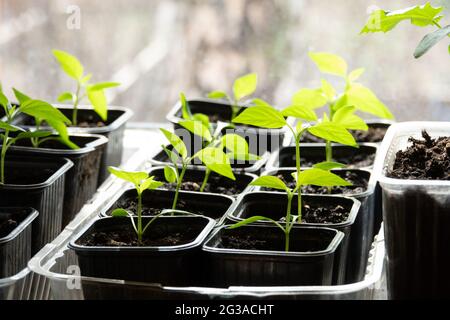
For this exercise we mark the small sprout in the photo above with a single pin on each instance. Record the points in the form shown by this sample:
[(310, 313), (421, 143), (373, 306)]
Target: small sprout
[(141, 181), (94, 92)]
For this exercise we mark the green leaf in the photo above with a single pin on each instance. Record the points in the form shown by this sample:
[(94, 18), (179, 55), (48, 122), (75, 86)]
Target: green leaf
[(260, 102), (345, 116), (217, 95), (430, 40), (32, 134), (20, 96), (61, 128), (170, 174), (328, 165), (261, 116), (171, 155), (43, 110), (243, 156), (270, 182), (70, 64), (135, 177), (176, 142), (355, 74), (216, 160), (322, 178), (103, 85), (384, 21), (98, 101), (309, 98), (328, 90), (364, 100), (235, 143), (149, 184), (203, 118), (251, 220), (300, 112), (245, 86), (66, 96), (86, 79), (329, 63), (3, 100), (120, 213), (333, 132), (197, 128), (10, 127), (185, 110)]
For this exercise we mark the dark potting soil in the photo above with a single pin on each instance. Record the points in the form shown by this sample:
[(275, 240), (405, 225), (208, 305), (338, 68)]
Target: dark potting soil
[(427, 159), (373, 134), (126, 237), (6, 226), (359, 184), (131, 205), (324, 214), (84, 121), (215, 185), (357, 160)]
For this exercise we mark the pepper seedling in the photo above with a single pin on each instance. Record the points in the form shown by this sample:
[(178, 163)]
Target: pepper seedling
[(95, 92), (312, 176), (242, 87), (141, 181), (38, 109)]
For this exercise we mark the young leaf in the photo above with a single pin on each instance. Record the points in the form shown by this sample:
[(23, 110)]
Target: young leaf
[(135, 177), (171, 155), (203, 118), (309, 98), (329, 63), (32, 134), (345, 116), (185, 110), (120, 213), (217, 95), (333, 132), (235, 143), (103, 85), (170, 174), (61, 128), (260, 102), (430, 40), (216, 160), (270, 182), (384, 21), (197, 128), (86, 79), (355, 74), (319, 177), (10, 127), (243, 156), (328, 165), (176, 142), (251, 220), (66, 96), (328, 90), (149, 184), (261, 116), (70, 64), (300, 112), (98, 101), (245, 86), (43, 110), (3, 100), (20, 96)]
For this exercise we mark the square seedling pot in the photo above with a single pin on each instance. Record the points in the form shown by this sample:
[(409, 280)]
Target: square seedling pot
[(254, 255), (260, 140), (211, 205), (81, 179), (176, 265), (273, 205), (312, 153), (193, 179), (362, 232), (416, 220), (113, 129), (160, 159), (15, 239), (37, 182)]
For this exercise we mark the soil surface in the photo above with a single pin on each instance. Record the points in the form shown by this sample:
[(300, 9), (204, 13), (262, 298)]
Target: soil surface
[(84, 121), (373, 134), (325, 214), (359, 184), (425, 159), (214, 185), (131, 205), (6, 226), (357, 160)]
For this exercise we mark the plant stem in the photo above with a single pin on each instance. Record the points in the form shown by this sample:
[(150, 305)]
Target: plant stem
[(288, 221), (179, 182), (3, 156), (297, 163), (139, 217), (205, 180), (75, 105), (286, 243)]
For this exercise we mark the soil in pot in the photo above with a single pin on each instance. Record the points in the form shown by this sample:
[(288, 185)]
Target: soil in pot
[(373, 134)]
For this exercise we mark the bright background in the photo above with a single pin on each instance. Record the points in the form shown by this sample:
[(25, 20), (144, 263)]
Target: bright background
[(158, 48)]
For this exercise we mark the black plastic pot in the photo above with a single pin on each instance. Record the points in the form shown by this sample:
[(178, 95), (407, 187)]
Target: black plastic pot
[(211, 205), (44, 192), (81, 179), (15, 245), (314, 153), (364, 227), (260, 140), (160, 159), (167, 265), (309, 261), (274, 205), (197, 175), (113, 130)]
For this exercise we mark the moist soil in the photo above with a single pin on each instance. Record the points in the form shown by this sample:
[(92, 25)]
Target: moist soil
[(214, 185), (373, 134), (357, 160), (6, 226), (359, 184), (131, 205), (84, 121), (424, 159)]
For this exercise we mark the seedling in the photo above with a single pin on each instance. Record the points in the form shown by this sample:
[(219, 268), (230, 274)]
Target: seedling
[(313, 176), (95, 92), (141, 182), (421, 16), (39, 110), (243, 87)]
